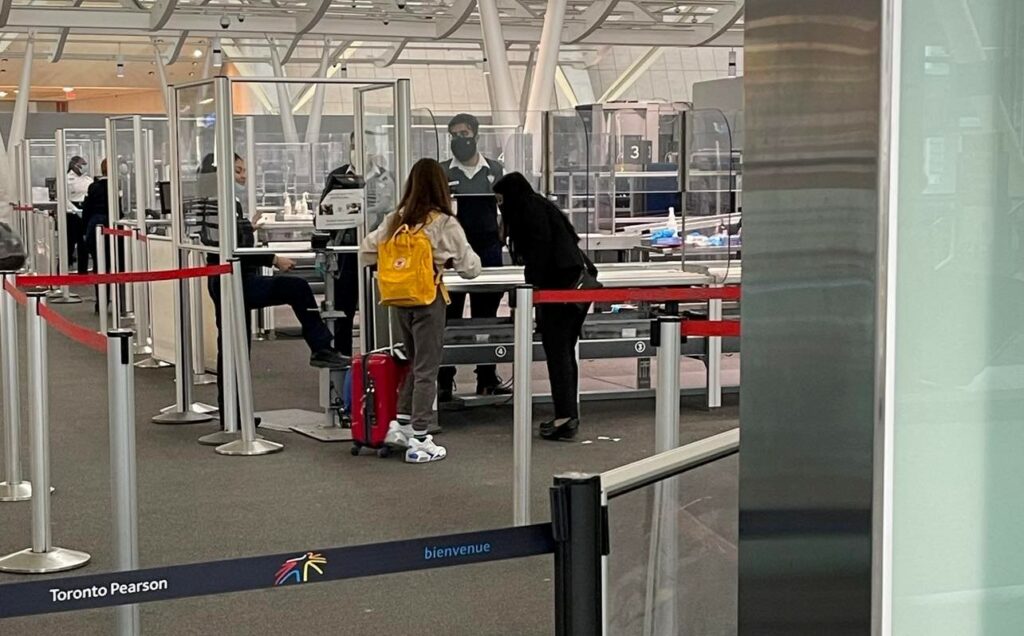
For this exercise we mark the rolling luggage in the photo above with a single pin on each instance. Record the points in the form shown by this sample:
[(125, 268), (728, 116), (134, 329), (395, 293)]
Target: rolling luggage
[(376, 378)]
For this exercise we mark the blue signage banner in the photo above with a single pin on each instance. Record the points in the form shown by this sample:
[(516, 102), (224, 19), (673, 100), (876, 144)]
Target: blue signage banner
[(278, 570)]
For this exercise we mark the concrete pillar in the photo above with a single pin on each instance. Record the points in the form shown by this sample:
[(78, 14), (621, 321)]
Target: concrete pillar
[(504, 105)]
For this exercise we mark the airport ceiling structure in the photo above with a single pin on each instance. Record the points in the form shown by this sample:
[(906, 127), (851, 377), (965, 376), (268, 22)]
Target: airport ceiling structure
[(383, 32)]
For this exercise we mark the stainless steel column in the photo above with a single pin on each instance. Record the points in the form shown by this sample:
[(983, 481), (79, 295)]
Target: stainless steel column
[(714, 361), (43, 557), (65, 297), (14, 488), (403, 133), (123, 489), (522, 404), (813, 282)]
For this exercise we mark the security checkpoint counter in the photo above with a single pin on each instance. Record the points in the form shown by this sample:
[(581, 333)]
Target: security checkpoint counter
[(620, 331)]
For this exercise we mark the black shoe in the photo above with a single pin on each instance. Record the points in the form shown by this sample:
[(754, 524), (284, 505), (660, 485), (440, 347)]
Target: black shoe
[(492, 389), (329, 359), (564, 431), (445, 394)]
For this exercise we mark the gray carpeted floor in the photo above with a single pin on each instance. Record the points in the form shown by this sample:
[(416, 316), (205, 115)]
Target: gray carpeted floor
[(196, 505)]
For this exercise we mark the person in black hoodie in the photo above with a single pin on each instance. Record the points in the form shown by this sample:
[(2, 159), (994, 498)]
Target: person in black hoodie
[(541, 238)]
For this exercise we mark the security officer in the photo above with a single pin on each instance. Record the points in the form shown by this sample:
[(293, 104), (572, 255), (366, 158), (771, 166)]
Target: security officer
[(470, 177), (380, 200), (78, 187)]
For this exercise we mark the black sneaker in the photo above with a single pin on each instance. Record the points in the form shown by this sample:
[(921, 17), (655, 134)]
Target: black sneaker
[(564, 431), (445, 394), (329, 359)]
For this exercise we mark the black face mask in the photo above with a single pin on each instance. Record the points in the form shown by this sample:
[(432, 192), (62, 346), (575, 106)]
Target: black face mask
[(464, 148)]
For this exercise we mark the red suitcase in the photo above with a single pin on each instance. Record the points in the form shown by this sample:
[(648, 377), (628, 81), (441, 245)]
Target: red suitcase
[(376, 378)]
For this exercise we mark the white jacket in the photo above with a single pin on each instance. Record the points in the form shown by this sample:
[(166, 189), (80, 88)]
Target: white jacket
[(447, 238), (78, 187)]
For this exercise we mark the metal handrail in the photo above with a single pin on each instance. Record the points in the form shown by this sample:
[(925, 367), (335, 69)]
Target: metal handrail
[(624, 479)]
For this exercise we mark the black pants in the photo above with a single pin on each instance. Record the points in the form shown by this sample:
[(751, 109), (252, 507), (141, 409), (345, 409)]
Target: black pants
[(76, 242), (481, 305), (559, 327), (260, 292), (346, 299)]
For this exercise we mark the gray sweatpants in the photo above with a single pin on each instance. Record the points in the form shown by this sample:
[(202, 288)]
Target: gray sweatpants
[(422, 331)]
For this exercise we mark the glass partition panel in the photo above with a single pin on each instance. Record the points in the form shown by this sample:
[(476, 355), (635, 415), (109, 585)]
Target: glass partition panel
[(42, 170), (126, 164), (379, 153), (197, 163), (89, 146), (672, 565), (429, 135)]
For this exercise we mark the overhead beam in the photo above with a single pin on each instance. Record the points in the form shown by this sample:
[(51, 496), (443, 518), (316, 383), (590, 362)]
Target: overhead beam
[(592, 19), (304, 24), (631, 74), (88, 21), (5, 11), (58, 47), (459, 14), (391, 55), (179, 44), (722, 22), (161, 13)]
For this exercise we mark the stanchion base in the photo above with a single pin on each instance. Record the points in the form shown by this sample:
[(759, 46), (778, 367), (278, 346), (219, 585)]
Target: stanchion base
[(21, 491), (60, 299), (55, 560), (324, 433), (196, 407), (177, 417), (249, 449), (144, 350), (152, 363), (221, 437), (201, 379)]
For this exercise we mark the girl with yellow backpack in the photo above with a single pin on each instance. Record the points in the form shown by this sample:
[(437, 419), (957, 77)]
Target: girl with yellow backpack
[(411, 248)]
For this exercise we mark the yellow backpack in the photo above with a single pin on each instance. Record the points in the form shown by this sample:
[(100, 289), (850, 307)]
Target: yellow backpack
[(405, 269)]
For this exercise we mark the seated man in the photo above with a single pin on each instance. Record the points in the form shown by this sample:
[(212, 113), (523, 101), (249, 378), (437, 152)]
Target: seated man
[(260, 291)]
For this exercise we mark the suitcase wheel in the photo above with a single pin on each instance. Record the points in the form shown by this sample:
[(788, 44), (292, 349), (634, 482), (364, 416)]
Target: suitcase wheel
[(355, 449), (383, 452)]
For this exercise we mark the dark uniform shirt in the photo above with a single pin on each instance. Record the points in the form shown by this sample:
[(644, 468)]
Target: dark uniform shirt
[(477, 206)]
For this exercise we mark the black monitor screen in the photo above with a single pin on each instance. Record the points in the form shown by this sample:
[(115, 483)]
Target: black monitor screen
[(51, 187), (165, 197)]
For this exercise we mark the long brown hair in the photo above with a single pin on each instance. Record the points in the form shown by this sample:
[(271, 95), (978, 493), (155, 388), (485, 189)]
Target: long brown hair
[(426, 191)]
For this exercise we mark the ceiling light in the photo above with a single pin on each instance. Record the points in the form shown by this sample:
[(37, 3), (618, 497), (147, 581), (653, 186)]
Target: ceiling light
[(69, 89), (3, 94), (197, 53)]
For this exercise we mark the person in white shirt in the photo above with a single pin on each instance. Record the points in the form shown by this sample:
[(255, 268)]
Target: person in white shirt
[(78, 187), (426, 204)]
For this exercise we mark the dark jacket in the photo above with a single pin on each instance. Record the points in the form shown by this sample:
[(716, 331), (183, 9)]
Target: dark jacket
[(96, 201), (539, 235)]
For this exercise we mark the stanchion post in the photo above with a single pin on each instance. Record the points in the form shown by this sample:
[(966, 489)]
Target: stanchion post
[(660, 617), (714, 359), (666, 409), (249, 444), (142, 340), (229, 397), (522, 400), (43, 557), (580, 526), (199, 374), (101, 268), (13, 488), (123, 490), (183, 410)]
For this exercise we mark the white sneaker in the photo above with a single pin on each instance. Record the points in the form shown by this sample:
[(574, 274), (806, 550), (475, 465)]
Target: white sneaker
[(399, 435), (423, 451)]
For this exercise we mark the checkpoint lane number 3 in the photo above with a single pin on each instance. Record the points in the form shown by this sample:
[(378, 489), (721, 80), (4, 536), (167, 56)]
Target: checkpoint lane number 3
[(640, 346)]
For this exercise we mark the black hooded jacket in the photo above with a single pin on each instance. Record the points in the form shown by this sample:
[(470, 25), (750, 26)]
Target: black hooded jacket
[(539, 235)]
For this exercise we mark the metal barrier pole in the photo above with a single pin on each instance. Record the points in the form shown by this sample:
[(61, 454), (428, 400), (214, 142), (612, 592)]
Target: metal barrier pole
[(249, 445), (662, 563), (30, 242), (43, 557), (128, 290), (141, 295), (714, 359), (183, 411), (196, 332), (229, 419), (116, 294), (13, 488), (124, 500), (522, 400), (101, 268), (65, 297), (579, 523)]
